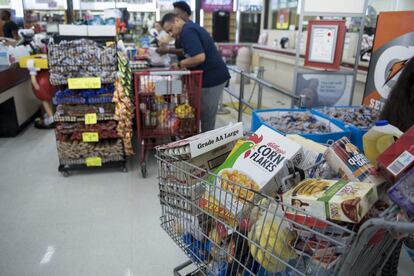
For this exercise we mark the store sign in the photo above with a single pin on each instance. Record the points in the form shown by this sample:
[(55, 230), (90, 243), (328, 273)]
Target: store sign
[(91, 119), (324, 88), (393, 48), (94, 162), (90, 137), (167, 5), (217, 5), (282, 21), (84, 83), (45, 4), (325, 44), (250, 5)]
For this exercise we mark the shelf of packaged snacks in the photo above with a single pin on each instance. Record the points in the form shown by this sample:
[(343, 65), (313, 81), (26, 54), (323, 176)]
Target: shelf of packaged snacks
[(72, 119), (88, 127), (75, 150)]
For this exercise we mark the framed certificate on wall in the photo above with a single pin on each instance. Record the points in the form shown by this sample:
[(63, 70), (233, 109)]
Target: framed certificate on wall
[(325, 44)]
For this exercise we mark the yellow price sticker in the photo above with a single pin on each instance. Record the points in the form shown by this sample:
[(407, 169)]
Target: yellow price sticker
[(94, 162), (91, 119), (90, 137), (84, 83)]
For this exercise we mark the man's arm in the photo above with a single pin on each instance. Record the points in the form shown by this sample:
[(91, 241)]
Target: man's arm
[(174, 51), (193, 61)]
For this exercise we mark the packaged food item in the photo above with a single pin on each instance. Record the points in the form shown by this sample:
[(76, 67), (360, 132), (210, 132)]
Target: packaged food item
[(332, 199), (362, 116), (271, 233), (297, 122), (204, 142), (398, 158), (313, 154), (252, 167), (402, 193), (345, 158)]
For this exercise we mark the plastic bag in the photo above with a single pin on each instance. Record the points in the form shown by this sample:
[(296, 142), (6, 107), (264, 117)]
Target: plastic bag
[(156, 59), (271, 233)]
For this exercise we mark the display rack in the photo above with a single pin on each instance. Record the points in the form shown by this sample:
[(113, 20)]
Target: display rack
[(87, 128)]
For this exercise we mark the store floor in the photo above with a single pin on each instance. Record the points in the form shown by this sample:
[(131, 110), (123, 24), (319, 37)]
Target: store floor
[(105, 223), (102, 223)]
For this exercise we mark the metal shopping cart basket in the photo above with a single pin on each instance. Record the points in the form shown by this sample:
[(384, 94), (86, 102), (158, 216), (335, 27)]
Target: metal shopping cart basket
[(269, 237), (167, 105)]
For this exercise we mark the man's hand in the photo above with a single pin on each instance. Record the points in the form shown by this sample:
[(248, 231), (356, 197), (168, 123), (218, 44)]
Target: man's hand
[(175, 66), (162, 51)]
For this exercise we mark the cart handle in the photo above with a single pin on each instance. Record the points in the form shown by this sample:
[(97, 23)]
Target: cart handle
[(172, 72)]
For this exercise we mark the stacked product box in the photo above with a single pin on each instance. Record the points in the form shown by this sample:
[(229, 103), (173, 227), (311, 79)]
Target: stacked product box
[(307, 123)]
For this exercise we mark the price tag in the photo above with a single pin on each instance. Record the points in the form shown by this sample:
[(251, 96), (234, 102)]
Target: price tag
[(84, 83), (91, 119), (90, 137), (94, 162)]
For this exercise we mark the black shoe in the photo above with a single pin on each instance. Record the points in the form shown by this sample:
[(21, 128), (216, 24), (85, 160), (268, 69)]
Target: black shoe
[(40, 124)]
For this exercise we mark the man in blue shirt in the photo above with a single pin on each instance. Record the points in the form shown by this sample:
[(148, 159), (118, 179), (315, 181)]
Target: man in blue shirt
[(200, 54)]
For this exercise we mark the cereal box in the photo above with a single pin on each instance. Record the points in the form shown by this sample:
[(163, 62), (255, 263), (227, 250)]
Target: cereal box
[(333, 199), (254, 166)]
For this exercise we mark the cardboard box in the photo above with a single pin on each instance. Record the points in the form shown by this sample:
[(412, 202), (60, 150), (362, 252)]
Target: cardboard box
[(332, 199), (396, 160), (346, 159), (258, 164), (197, 145)]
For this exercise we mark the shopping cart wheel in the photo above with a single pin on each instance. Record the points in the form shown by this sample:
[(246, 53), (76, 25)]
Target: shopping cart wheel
[(124, 169), (65, 173), (391, 266), (144, 170)]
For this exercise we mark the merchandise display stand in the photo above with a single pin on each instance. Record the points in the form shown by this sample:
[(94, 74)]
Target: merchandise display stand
[(87, 125)]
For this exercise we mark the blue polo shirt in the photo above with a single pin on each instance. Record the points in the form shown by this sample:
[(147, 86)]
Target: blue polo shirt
[(196, 40)]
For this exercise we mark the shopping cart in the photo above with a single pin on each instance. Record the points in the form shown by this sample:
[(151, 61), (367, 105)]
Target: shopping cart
[(167, 106), (268, 237)]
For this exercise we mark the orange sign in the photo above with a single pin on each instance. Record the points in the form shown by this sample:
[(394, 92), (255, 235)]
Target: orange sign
[(393, 47)]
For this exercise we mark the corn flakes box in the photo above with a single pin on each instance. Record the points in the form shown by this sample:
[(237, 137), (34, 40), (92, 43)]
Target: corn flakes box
[(256, 165)]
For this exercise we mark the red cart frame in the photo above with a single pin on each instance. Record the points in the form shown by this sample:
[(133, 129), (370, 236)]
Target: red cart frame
[(146, 83)]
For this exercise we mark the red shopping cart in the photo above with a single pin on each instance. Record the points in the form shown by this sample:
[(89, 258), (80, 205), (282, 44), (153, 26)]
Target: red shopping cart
[(167, 106)]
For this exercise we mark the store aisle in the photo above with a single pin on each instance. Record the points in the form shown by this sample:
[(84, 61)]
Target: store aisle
[(106, 223)]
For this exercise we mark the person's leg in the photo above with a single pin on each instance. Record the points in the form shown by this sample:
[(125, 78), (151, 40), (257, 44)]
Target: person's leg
[(209, 103)]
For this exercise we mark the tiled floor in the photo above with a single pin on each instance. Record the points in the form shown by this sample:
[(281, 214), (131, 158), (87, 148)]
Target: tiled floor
[(106, 223), (103, 223)]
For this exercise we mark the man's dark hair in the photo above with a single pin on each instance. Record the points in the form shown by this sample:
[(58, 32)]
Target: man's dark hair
[(182, 5), (399, 107), (6, 13), (169, 17)]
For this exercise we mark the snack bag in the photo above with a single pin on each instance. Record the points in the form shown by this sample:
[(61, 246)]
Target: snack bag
[(345, 158), (273, 234), (331, 199), (251, 167), (402, 193)]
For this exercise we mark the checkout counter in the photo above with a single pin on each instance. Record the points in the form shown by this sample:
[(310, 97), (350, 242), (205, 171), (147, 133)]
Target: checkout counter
[(279, 63), (18, 104)]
